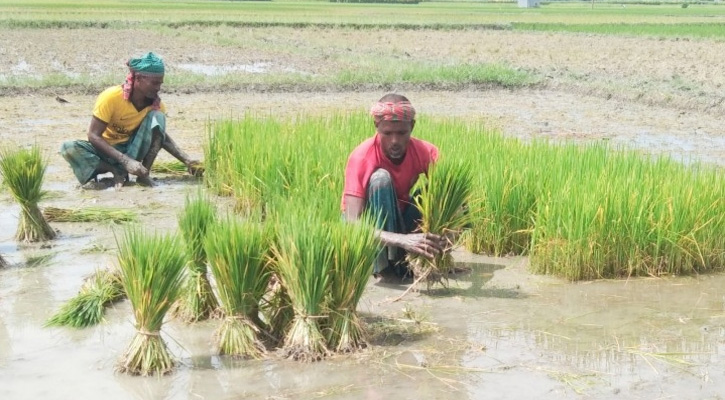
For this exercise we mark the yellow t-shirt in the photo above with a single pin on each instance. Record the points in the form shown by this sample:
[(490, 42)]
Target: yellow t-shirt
[(121, 116)]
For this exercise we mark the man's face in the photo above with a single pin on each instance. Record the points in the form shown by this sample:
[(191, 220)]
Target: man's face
[(148, 85), (394, 138)]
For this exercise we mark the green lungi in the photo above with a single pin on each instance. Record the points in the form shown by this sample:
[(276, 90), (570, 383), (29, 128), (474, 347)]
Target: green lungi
[(84, 158), (383, 204)]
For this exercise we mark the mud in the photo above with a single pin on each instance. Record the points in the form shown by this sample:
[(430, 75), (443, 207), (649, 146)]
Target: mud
[(498, 332)]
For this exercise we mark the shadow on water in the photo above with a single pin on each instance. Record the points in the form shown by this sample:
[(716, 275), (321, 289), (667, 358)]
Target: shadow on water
[(471, 282)]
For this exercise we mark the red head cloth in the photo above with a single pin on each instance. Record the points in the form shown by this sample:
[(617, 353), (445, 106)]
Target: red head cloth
[(393, 111)]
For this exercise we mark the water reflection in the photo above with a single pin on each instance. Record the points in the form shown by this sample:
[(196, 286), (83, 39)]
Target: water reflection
[(611, 326)]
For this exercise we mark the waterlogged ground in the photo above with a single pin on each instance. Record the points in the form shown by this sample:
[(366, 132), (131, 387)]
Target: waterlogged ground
[(499, 332)]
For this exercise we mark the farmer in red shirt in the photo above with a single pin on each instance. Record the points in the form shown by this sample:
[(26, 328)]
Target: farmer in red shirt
[(379, 175)]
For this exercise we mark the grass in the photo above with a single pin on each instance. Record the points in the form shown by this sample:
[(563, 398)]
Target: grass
[(303, 259), (88, 214), (23, 171), (579, 212), (238, 257), (151, 271), (197, 301), (116, 14), (445, 195), (88, 306), (355, 249)]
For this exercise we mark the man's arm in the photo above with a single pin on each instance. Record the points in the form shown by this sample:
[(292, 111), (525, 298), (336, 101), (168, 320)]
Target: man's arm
[(95, 137), (170, 146), (425, 244)]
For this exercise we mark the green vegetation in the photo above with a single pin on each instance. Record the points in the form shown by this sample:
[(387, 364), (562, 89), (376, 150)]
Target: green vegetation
[(88, 306), (23, 171), (238, 257), (197, 301), (445, 195), (355, 248), (88, 214), (303, 258), (152, 267), (582, 213)]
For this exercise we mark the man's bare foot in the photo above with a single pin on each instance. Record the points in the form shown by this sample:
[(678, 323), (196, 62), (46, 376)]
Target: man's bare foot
[(144, 181), (119, 178)]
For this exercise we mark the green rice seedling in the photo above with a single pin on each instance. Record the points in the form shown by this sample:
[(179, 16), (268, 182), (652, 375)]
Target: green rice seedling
[(88, 214), (355, 248), (303, 259), (23, 171), (174, 168), (445, 195), (152, 268), (87, 307), (238, 256), (197, 301), (277, 311)]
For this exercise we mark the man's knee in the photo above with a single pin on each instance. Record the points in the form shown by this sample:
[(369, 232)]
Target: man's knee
[(69, 149), (380, 179)]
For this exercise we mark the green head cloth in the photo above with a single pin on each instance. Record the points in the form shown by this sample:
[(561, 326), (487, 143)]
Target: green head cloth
[(148, 64)]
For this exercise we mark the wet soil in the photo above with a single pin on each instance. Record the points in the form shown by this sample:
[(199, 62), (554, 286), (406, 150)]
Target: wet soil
[(497, 332)]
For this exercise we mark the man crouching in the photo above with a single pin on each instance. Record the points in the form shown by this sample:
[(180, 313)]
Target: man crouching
[(127, 130)]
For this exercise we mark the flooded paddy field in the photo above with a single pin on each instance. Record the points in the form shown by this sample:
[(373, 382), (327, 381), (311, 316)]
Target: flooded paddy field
[(497, 332)]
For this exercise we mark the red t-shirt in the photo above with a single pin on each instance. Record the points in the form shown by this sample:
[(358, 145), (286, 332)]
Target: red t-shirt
[(368, 156)]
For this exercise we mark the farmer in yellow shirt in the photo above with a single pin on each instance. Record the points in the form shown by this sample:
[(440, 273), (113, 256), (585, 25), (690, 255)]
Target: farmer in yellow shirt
[(127, 130)]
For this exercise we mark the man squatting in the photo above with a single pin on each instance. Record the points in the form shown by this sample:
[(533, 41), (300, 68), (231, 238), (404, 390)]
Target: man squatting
[(379, 176), (127, 130)]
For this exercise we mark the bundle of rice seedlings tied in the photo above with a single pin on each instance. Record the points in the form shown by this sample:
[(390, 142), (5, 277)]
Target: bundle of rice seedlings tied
[(88, 214), (87, 307), (303, 259), (356, 247), (152, 268), (176, 168), (197, 301), (238, 256), (443, 200), (23, 171)]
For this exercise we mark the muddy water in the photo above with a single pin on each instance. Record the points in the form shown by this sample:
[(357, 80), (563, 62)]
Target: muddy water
[(496, 332)]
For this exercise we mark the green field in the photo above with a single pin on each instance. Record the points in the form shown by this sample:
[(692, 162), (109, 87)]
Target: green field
[(668, 19)]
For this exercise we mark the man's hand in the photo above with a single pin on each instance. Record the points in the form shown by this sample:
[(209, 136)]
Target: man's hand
[(195, 168), (134, 167), (427, 245)]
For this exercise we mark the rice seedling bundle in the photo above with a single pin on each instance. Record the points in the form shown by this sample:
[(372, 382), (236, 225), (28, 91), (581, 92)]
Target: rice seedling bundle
[(197, 301), (445, 195), (23, 171), (175, 167), (152, 268), (303, 259), (87, 307), (356, 247), (238, 256), (88, 214)]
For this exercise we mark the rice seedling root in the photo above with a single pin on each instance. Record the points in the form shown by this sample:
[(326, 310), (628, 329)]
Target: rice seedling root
[(238, 336), (147, 355), (197, 301), (304, 341), (32, 226)]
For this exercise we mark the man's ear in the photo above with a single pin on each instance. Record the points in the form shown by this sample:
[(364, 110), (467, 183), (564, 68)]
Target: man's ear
[(412, 125)]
